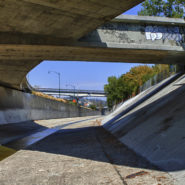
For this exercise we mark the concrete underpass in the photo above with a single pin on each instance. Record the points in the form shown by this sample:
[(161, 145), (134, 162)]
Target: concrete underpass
[(47, 142)]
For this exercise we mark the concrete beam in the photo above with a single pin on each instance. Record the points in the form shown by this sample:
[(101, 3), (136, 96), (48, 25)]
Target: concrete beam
[(130, 39), (77, 53), (141, 33)]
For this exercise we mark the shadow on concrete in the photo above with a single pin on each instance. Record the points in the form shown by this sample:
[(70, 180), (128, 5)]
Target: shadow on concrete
[(94, 143), (16, 131)]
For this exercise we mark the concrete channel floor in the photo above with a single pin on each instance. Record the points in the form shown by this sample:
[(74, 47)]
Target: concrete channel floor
[(82, 153)]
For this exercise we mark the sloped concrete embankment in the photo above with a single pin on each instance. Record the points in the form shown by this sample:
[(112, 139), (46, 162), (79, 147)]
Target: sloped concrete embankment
[(137, 100), (155, 129), (16, 106)]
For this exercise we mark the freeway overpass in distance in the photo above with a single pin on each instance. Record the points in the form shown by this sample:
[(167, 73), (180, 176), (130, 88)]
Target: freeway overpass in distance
[(71, 92)]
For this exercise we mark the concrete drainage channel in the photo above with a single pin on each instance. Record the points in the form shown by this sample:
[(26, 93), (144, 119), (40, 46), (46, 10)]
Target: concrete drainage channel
[(77, 154), (11, 147)]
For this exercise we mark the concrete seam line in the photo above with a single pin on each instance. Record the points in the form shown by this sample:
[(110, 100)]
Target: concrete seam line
[(109, 159)]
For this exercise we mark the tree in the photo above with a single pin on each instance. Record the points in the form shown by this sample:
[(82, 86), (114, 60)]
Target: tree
[(166, 8), (127, 85), (114, 91)]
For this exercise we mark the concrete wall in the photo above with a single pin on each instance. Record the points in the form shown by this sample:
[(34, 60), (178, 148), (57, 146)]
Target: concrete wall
[(16, 106), (155, 129)]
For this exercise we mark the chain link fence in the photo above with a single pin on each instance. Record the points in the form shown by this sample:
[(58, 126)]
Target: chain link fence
[(158, 78)]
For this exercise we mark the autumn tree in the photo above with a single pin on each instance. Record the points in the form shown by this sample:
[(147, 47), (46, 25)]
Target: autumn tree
[(127, 85)]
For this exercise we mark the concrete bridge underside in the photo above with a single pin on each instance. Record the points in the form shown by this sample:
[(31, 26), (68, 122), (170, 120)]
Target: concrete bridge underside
[(35, 30), (31, 29)]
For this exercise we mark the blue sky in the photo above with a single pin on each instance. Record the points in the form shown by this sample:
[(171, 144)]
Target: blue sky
[(83, 75)]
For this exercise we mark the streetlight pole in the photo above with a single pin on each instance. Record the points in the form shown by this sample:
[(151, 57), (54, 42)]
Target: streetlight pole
[(58, 79)]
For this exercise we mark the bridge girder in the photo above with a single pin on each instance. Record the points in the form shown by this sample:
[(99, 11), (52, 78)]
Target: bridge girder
[(37, 30)]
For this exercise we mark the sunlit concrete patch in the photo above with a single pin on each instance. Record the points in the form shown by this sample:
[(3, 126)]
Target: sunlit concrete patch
[(6, 152), (56, 122), (35, 137)]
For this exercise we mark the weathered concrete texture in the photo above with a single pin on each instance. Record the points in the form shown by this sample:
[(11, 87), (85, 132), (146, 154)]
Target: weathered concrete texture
[(16, 106), (122, 30), (155, 129), (80, 156), (141, 33), (130, 104), (13, 72), (59, 18)]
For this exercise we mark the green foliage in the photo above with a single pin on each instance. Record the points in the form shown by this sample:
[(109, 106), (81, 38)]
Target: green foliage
[(166, 8), (114, 90), (127, 85)]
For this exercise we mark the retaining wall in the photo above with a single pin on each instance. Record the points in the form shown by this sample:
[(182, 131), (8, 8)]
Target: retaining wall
[(16, 106)]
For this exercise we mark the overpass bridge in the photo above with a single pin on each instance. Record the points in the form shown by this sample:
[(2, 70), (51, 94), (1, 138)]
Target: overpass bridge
[(72, 92)]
